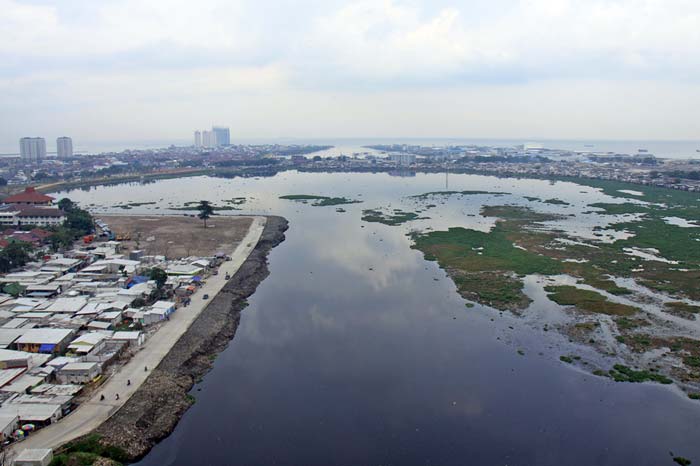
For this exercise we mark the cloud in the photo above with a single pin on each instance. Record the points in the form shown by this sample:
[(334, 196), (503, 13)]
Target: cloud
[(391, 42), (375, 40), (306, 57)]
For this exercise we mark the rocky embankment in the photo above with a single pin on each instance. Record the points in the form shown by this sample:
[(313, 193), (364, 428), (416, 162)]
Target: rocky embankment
[(155, 409)]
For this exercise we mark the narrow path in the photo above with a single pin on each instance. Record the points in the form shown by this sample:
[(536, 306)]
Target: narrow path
[(93, 412)]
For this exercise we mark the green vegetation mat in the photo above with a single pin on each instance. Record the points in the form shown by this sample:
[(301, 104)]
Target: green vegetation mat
[(398, 217), (620, 209), (320, 201), (87, 450), (621, 373), (681, 309), (587, 300), (485, 266), (453, 193), (556, 202)]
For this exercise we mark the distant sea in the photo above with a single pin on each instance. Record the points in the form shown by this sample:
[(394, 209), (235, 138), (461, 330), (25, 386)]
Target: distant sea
[(347, 146)]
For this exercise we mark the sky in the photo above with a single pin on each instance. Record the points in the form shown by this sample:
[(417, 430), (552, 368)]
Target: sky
[(126, 70)]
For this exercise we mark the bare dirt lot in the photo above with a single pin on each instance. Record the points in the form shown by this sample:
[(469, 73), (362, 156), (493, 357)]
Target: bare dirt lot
[(179, 236)]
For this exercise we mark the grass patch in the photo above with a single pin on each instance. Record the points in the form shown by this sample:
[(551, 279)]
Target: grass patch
[(75, 459), (88, 447), (587, 326), (555, 202), (682, 461), (605, 284), (621, 373), (398, 217), (510, 212), (587, 300), (692, 361), (319, 201), (566, 359), (452, 193), (620, 209), (485, 266), (626, 323), (134, 204), (681, 309)]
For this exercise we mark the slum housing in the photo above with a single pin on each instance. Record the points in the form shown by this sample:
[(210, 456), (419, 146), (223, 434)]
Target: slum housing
[(69, 319)]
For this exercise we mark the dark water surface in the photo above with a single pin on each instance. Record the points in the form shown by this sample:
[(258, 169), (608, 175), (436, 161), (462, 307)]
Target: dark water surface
[(337, 364)]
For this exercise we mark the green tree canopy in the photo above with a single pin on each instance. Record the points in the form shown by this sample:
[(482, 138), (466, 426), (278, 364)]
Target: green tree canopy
[(16, 254), (66, 204), (205, 211), (159, 276)]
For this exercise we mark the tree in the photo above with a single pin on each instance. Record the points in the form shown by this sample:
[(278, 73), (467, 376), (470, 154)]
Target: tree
[(66, 204), (159, 276), (205, 211), (80, 221), (16, 254), (62, 238), (138, 303)]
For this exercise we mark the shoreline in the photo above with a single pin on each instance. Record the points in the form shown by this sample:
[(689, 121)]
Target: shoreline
[(263, 171), (154, 410)]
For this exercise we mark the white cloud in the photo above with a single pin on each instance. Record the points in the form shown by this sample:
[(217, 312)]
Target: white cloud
[(474, 67), (389, 40)]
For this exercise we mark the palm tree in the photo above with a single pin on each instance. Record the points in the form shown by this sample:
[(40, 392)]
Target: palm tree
[(205, 211)]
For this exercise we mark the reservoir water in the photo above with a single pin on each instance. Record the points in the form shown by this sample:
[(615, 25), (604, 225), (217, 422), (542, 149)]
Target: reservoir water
[(357, 351)]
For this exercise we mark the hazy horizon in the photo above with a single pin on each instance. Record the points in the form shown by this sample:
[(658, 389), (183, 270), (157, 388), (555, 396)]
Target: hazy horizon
[(559, 69), (674, 149)]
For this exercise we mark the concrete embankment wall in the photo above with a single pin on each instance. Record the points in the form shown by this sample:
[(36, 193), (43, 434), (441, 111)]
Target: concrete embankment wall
[(154, 410)]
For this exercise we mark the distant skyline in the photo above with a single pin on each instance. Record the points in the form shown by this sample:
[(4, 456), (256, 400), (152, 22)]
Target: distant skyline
[(128, 70)]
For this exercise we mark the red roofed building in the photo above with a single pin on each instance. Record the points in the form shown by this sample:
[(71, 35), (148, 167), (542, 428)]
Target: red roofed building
[(42, 234), (30, 196)]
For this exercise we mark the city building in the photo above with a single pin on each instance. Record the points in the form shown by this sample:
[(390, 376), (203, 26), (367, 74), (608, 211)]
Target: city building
[(403, 159), (78, 372), (30, 207), (208, 139), (34, 457), (32, 149), (219, 136), (30, 196), (40, 216), (222, 136), (45, 340), (64, 147)]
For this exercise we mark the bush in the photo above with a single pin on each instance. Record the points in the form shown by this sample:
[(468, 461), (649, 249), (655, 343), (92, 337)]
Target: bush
[(90, 447)]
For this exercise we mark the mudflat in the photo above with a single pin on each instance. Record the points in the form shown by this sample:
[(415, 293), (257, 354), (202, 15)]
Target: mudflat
[(178, 236)]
